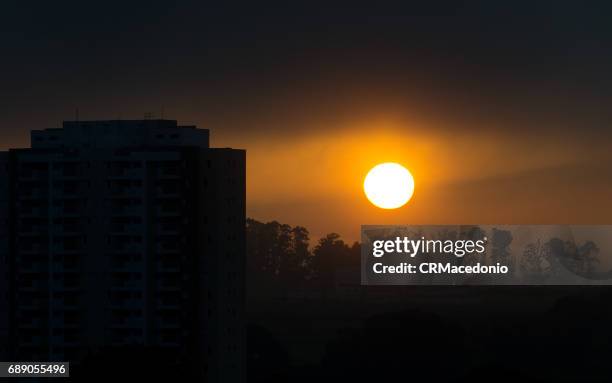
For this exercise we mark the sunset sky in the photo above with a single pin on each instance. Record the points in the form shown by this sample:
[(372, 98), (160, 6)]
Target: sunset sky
[(500, 117)]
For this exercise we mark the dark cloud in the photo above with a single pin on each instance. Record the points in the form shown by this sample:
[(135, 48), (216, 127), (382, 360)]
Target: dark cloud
[(250, 66)]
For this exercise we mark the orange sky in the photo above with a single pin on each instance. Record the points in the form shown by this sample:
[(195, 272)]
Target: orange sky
[(465, 173), (315, 180)]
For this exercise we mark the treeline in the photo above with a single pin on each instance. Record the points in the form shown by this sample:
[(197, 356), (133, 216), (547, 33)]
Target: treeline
[(280, 255)]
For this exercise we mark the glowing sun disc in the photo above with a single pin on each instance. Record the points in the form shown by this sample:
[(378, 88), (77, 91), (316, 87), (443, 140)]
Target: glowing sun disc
[(389, 185)]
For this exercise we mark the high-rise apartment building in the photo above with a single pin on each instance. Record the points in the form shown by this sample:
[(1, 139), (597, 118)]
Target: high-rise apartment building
[(120, 233), (4, 248)]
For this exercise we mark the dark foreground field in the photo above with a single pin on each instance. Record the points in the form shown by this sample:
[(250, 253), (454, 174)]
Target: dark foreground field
[(437, 333)]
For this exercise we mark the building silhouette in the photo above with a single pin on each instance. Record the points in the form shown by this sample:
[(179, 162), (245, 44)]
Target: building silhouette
[(122, 233), (4, 251)]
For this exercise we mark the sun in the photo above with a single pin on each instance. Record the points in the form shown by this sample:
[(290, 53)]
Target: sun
[(389, 185)]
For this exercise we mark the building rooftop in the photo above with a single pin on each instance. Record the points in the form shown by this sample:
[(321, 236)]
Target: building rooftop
[(119, 133)]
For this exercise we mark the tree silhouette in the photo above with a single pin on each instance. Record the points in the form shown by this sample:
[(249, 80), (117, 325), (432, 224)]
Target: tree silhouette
[(277, 254), (501, 247), (582, 260), (332, 254), (533, 260), (294, 262)]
